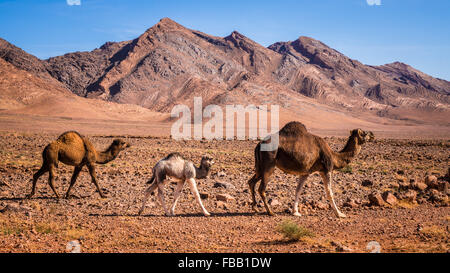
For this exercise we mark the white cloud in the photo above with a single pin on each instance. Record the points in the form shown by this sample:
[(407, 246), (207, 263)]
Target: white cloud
[(373, 2), (73, 2)]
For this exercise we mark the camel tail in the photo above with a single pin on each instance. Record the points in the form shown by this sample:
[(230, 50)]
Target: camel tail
[(46, 156), (152, 180), (258, 161)]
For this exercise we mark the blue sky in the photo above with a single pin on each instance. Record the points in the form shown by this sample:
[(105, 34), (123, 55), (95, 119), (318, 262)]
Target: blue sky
[(416, 32)]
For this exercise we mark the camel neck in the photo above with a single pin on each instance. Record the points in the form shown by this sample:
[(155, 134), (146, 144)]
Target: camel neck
[(201, 172), (106, 156), (350, 150)]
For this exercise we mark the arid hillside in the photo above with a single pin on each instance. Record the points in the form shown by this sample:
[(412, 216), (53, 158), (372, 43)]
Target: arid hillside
[(170, 64), (22, 93)]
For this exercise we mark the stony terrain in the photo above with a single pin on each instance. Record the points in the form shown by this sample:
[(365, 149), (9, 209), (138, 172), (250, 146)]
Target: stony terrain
[(384, 194)]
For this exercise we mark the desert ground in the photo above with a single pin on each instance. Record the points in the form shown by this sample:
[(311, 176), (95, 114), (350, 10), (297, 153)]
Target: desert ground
[(415, 217)]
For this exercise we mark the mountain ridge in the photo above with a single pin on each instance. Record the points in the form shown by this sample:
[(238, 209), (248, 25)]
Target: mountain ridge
[(170, 64)]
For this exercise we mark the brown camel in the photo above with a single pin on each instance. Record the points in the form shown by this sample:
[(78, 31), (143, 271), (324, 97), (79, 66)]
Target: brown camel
[(302, 153), (75, 150)]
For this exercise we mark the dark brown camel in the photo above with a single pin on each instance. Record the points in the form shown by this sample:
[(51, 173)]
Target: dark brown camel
[(302, 153), (73, 149)]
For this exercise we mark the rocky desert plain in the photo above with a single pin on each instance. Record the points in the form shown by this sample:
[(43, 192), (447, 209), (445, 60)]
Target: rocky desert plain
[(395, 191)]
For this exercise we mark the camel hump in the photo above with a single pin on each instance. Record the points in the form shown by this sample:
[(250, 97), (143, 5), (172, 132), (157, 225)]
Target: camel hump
[(173, 155), (73, 141), (70, 136), (293, 128)]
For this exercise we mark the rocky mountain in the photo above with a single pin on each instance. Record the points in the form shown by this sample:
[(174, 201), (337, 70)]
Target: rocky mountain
[(316, 70), (170, 64), (23, 92), (22, 60)]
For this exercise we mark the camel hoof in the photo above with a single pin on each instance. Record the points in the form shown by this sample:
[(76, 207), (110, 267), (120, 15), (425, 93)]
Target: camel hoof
[(29, 196), (207, 214), (271, 213), (297, 214), (341, 215)]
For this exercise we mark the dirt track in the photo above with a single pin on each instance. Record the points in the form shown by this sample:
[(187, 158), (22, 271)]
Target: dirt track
[(45, 224)]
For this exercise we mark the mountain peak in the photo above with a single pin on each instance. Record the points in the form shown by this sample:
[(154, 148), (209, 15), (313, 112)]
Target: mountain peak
[(169, 23), (305, 38), (239, 40), (235, 35), (306, 41), (165, 24), (399, 65), (167, 20)]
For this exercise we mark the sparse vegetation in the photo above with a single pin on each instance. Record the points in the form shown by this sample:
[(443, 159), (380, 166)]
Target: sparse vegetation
[(46, 228), (434, 231), (294, 232), (347, 169), (11, 229), (406, 204)]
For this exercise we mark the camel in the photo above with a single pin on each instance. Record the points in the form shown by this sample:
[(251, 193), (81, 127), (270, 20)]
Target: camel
[(75, 150), (178, 168), (301, 153)]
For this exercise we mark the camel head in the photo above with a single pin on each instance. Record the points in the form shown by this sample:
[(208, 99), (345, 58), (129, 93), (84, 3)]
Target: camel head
[(362, 136), (207, 162), (205, 167), (119, 145)]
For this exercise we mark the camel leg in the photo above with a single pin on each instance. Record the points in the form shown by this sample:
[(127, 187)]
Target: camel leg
[(252, 183), (51, 179), (36, 176), (301, 181), (91, 168), (148, 192), (194, 190), (262, 191), (176, 197), (161, 198), (327, 179), (75, 174)]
